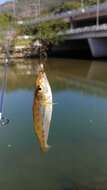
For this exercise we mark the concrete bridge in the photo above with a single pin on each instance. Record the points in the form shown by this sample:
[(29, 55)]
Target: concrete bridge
[(90, 25), (96, 37)]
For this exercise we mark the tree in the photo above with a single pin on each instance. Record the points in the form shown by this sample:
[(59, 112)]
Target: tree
[(49, 31), (4, 21)]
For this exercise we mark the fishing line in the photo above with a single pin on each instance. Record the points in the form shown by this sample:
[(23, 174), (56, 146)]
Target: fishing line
[(7, 40), (43, 53), (3, 120), (40, 55)]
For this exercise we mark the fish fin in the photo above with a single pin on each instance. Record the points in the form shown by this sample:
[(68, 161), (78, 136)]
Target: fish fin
[(49, 103), (54, 103)]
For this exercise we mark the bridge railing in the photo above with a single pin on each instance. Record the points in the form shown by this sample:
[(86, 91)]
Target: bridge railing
[(102, 27)]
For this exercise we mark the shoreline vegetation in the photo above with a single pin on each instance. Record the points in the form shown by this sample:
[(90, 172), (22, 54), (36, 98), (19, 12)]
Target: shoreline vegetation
[(29, 41)]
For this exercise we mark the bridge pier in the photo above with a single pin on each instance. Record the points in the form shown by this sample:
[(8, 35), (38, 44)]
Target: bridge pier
[(98, 47)]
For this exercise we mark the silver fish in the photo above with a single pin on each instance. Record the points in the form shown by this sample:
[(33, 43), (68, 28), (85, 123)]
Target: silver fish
[(42, 109)]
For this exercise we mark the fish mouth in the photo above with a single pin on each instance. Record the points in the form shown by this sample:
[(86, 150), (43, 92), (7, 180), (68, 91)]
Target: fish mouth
[(45, 148)]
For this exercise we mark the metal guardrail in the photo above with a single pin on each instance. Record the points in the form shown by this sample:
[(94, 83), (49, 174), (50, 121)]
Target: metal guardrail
[(94, 31), (94, 28)]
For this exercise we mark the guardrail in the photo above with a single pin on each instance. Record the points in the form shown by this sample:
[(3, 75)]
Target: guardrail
[(94, 28)]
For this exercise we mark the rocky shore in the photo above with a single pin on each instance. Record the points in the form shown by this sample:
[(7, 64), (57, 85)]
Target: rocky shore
[(21, 53)]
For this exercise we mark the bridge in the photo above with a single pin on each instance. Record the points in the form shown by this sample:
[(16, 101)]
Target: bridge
[(74, 15), (96, 37), (90, 25)]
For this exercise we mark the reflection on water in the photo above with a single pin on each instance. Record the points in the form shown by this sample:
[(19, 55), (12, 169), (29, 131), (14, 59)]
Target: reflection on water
[(78, 135), (42, 108)]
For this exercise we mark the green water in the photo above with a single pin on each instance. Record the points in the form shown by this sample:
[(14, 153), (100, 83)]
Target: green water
[(77, 158)]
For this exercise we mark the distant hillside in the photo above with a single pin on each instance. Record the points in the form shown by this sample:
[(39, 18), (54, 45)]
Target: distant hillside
[(26, 8), (29, 8), (6, 7)]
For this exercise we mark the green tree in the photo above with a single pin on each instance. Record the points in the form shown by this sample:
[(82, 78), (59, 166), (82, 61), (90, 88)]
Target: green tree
[(4, 21), (49, 31), (74, 4)]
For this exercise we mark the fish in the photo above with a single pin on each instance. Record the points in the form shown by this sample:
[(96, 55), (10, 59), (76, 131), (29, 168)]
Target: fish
[(42, 108)]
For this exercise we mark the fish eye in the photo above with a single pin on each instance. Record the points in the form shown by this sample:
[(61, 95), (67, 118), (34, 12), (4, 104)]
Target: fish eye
[(39, 88)]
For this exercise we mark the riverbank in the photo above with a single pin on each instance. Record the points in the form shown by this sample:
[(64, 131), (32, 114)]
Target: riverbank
[(21, 53), (60, 51)]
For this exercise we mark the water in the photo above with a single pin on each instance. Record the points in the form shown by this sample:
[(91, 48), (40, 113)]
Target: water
[(78, 134)]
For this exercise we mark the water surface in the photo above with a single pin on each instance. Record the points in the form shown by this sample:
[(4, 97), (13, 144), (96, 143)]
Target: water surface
[(78, 134)]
